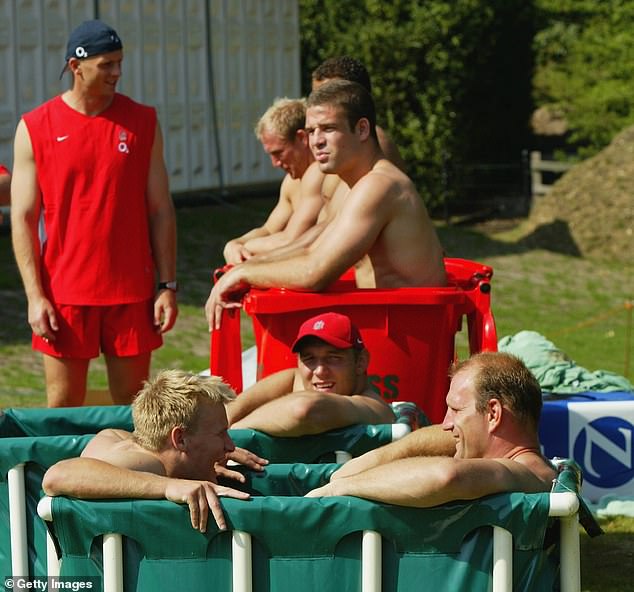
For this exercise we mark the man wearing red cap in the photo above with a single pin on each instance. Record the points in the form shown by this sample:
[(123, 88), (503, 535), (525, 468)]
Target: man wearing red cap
[(328, 389), (93, 224)]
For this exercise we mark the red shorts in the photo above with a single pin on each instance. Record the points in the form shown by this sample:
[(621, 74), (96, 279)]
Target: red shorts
[(119, 330)]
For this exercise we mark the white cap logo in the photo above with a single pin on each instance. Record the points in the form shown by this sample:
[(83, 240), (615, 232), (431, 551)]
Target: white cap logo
[(80, 52), (318, 326)]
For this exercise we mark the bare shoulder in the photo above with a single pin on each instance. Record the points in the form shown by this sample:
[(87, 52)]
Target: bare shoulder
[(105, 438), (119, 448), (22, 143), (387, 179), (313, 177), (290, 190), (529, 472), (329, 185), (538, 466)]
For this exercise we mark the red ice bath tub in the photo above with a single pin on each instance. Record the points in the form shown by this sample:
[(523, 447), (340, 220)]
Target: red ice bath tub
[(409, 332)]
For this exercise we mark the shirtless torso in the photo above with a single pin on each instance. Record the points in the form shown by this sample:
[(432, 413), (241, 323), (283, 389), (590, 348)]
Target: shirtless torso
[(384, 203)]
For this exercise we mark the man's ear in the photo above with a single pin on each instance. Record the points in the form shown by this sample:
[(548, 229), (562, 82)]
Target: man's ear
[(73, 64), (302, 136), (495, 410), (363, 128), (363, 361), (178, 439)]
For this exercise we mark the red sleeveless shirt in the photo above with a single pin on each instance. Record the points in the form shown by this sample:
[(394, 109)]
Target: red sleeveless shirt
[(92, 173)]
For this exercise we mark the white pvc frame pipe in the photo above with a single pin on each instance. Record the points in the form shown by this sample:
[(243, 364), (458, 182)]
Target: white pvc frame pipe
[(17, 521), (566, 507), (502, 560), (371, 572), (45, 511), (242, 570), (400, 430), (112, 563)]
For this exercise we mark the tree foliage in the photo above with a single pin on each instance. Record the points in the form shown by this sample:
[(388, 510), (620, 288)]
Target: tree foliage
[(451, 78), (584, 66), (456, 81)]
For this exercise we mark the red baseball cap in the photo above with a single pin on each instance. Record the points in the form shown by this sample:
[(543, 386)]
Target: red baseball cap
[(333, 328)]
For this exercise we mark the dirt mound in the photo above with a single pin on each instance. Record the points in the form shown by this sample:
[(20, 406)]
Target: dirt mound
[(590, 210)]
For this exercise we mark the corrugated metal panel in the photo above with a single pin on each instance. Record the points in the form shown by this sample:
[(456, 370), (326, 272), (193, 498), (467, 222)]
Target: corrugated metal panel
[(254, 48)]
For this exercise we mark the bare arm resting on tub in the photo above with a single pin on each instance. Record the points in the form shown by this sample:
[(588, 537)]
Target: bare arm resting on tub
[(426, 441), (493, 409), (429, 481), (88, 478), (310, 412), (114, 466)]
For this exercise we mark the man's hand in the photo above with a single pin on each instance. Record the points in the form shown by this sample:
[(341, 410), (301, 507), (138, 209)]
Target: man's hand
[(323, 491), (243, 457), (226, 293), (235, 252), (201, 496), (42, 318), (165, 310)]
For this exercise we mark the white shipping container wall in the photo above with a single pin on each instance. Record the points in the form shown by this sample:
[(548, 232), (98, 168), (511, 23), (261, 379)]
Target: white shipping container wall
[(249, 49)]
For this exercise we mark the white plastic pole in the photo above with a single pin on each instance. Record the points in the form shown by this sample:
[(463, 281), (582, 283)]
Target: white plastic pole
[(45, 512), (342, 456), (566, 506), (241, 561), (112, 563), (371, 573), (502, 560), (563, 504), (570, 568), (400, 430), (17, 521)]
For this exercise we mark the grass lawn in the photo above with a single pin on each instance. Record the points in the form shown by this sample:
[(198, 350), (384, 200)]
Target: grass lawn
[(576, 303)]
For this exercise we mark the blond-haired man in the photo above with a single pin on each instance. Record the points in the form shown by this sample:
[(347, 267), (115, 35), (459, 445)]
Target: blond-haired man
[(281, 132), (179, 440)]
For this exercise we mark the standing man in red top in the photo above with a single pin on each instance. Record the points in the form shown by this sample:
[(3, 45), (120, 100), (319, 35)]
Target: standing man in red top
[(94, 227)]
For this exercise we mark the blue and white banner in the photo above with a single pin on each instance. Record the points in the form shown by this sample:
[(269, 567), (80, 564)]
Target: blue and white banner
[(597, 433)]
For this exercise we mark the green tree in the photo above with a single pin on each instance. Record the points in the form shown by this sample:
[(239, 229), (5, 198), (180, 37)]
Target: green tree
[(451, 78), (584, 67)]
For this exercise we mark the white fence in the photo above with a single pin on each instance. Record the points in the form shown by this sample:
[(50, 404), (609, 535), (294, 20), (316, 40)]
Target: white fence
[(539, 166), (210, 67)]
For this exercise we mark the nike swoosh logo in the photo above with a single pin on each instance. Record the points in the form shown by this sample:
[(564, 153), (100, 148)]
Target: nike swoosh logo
[(61, 138)]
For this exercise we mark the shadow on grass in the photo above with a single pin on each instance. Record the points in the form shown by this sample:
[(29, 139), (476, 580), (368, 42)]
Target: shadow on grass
[(469, 243)]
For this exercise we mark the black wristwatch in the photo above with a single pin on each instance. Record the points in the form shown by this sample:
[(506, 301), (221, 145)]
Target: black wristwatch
[(173, 286)]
